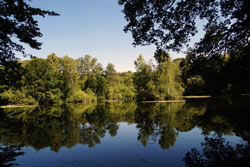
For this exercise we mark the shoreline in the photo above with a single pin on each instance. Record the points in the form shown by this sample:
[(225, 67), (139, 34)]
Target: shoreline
[(153, 101), (164, 101), (18, 106), (197, 97)]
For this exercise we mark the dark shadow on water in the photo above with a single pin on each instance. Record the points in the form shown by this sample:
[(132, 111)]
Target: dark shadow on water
[(217, 152), (8, 154)]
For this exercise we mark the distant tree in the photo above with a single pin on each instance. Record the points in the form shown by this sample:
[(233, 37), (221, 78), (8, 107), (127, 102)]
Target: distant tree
[(159, 82), (166, 80), (128, 88), (87, 65), (113, 91), (17, 23), (69, 72), (144, 79), (111, 75), (110, 69), (72, 89), (56, 64), (167, 77)]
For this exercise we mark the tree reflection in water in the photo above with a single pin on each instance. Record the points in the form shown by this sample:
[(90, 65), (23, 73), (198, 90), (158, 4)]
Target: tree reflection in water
[(216, 151), (68, 125), (227, 116), (8, 154)]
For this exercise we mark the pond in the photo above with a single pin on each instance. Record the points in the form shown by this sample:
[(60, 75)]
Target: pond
[(124, 134)]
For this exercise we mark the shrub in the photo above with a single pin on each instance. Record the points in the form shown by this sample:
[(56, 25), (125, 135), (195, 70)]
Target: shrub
[(16, 97), (80, 96)]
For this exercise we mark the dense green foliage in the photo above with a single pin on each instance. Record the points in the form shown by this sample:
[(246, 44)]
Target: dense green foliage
[(218, 74), (157, 82), (55, 80)]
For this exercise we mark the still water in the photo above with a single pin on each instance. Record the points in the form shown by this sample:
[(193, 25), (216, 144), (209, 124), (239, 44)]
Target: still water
[(122, 134)]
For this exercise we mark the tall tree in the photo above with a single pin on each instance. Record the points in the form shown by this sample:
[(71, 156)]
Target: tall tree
[(159, 82), (166, 81), (87, 65), (17, 23), (143, 79), (69, 72), (110, 69), (128, 87)]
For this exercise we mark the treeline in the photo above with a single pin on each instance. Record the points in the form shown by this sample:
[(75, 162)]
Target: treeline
[(57, 80)]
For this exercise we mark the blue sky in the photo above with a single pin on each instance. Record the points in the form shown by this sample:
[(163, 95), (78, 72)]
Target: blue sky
[(93, 27)]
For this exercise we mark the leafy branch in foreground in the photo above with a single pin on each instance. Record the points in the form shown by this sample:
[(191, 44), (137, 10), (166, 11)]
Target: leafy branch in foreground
[(170, 24), (17, 23)]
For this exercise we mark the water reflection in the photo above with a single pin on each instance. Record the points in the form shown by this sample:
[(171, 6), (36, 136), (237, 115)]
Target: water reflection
[(8, 154), (217, 152), (226, 116), (162, 122), (68, 125)]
